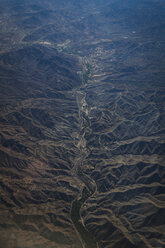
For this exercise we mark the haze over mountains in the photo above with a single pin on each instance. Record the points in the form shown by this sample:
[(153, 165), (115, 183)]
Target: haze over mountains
[(82, 101)]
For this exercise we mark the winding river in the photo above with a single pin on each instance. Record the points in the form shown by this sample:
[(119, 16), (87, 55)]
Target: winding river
[(86, 237)]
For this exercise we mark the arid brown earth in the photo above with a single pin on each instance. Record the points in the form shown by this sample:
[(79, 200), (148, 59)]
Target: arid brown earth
[(82, 140)]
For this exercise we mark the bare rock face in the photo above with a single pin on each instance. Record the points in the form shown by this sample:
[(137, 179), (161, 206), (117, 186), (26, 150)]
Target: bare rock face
[(82, 145)]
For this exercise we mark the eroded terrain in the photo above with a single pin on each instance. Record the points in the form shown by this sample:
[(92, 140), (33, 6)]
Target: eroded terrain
[(82, 124)]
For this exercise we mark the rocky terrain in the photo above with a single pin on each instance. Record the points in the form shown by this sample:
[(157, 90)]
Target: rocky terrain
[(82, 141)]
